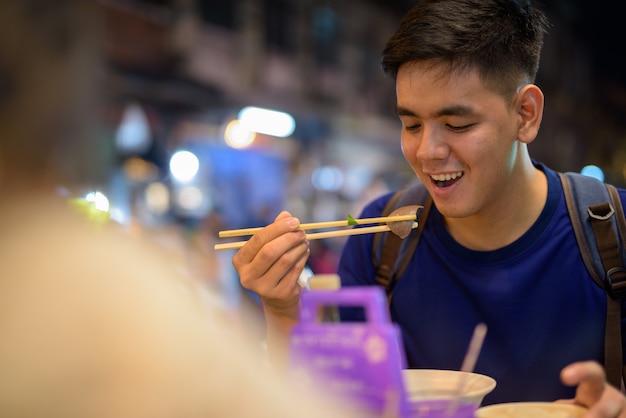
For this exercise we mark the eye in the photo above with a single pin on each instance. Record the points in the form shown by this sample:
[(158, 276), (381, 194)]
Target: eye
[(460, 128), (409, 123), (412, 128)]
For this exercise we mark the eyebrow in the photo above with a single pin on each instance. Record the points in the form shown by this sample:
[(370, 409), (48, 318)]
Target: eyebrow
[(455, 110)]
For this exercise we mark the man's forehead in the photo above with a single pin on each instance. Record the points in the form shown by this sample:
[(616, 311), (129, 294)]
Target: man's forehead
[(457, 109), (441, 72)]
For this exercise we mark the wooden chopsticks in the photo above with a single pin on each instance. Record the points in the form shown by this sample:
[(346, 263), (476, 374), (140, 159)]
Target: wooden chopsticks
[(323, 225)]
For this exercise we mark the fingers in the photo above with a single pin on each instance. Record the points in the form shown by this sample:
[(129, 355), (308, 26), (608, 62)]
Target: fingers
[(602, 399), (589, 372), (281, 274), (283, 224), (610, 405), (284, 294), (270, 263)]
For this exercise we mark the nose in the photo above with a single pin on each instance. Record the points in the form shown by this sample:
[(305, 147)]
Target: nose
[(431, 144)]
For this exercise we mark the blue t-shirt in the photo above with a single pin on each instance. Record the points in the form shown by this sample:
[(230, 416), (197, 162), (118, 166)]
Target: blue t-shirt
[(542, 309)]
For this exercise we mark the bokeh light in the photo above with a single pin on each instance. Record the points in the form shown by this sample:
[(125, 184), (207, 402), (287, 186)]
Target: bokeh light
[(184, 166), (99, 200), (593, 171), (327, 178), (236, 136), (266, 121)]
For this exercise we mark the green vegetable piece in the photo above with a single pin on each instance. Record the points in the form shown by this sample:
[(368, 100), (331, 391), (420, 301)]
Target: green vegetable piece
[(351, 220)]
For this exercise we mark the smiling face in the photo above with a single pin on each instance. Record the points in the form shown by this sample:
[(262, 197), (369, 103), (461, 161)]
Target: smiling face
[(461, 138)]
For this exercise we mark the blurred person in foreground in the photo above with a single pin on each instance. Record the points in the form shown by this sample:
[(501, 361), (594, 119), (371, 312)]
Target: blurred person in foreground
[(498, 245), (95, 323)]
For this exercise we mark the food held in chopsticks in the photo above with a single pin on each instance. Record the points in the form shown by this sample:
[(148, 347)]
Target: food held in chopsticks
[(403, 229), (401, 221)]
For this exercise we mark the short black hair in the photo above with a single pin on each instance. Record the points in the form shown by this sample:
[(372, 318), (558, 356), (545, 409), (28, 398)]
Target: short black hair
[(502, 39)]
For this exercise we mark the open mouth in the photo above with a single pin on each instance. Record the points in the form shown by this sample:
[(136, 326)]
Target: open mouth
[(445, 180)]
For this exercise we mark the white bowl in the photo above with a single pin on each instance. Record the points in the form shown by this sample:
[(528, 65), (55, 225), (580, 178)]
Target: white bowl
[(433, 384), (531, 410)]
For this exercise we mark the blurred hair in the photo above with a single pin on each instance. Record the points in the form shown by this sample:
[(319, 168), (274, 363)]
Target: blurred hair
[(502, 39), (50, 62)]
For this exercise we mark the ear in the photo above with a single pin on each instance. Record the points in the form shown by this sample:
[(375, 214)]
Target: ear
[(529, 106)]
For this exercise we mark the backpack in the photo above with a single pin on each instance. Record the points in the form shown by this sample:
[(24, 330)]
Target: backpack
[(597, 217)]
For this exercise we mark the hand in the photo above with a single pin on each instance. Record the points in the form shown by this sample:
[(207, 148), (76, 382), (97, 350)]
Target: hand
[(270, 263), (593, 392)]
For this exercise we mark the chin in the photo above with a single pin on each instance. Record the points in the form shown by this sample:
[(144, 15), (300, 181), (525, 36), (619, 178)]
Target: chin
[(451, 210)]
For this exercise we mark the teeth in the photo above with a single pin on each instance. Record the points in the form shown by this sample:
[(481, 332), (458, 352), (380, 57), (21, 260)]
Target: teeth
[(447, 176)]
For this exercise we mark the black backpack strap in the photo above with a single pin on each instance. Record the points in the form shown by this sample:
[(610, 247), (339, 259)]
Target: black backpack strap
[(615, 280), (619, 213), (391, 254), (385, 257), (592, 207)]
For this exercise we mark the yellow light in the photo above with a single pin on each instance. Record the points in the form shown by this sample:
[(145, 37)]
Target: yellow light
[(236, 136), (157, 197)]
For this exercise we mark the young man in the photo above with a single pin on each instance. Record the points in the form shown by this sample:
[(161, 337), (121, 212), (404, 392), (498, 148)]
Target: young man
[(498, 245)]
